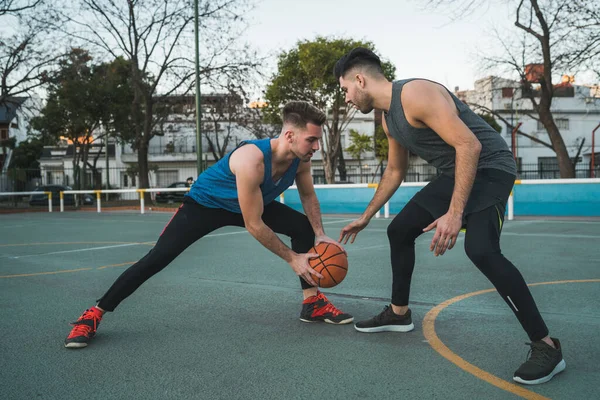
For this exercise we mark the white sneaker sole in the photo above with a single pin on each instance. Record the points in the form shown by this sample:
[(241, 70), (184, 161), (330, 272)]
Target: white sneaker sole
[(387, 328), (560, 367), (343, 322), (75, 345)]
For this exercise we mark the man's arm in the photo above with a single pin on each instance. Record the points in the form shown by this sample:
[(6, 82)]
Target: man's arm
[(394, 174), (425, 102), (310, 203), (392, 178), (247, 164)]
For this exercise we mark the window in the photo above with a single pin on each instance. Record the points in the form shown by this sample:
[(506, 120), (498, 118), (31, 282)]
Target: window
[(507, 92), (561, 123), (3, 134)]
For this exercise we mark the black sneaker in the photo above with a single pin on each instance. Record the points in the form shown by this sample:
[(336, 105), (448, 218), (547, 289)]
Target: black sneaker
[(386, 321), (543, 363), (84, 329), (318, 309)]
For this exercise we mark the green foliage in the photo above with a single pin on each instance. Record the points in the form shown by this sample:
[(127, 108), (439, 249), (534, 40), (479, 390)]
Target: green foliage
[(306, 73), (27, 154), (359, 144), (9, 143), (381, 143), (82, 96)]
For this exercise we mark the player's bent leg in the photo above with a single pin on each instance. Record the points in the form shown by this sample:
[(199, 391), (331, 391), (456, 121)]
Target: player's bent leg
[(287, 221), (482, 245)]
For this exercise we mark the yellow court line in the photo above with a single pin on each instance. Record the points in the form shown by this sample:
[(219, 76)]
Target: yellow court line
[(46, 273), (67, 270), (117, 265), (442, 349)]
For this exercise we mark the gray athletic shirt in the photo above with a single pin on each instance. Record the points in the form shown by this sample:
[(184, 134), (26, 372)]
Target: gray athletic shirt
[(428, 145)]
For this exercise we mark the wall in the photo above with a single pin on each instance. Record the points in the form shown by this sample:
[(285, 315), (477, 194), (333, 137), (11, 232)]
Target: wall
[(543, 199)]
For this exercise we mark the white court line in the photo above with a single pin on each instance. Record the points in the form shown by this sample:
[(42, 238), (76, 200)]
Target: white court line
[(338, 221), (73, 251), (136, 244), (245, 231)]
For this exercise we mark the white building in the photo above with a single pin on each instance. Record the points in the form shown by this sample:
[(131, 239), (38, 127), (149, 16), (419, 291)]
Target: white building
[(576, 111), (172, 155)]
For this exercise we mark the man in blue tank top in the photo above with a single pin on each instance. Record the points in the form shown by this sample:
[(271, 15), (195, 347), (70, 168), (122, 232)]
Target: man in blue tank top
[(477, 175), (240, 190)]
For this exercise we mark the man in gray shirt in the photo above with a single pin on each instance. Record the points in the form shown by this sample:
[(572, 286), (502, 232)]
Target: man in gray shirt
[(477, 176)]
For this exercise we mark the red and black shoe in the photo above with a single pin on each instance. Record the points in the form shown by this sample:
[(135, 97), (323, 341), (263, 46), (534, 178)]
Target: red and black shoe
[(318, 308), (84, 329)]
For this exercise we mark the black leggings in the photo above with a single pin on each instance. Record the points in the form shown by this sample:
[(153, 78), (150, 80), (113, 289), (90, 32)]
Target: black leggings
[(193, 221), (482, 245)]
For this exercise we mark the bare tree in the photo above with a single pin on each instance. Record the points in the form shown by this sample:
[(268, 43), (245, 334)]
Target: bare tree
[(220, 116), (155, 37), (557, 35), (28, 51), (17, 6)]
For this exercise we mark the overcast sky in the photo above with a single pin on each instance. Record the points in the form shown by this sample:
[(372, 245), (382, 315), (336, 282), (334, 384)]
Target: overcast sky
[(419, 41)]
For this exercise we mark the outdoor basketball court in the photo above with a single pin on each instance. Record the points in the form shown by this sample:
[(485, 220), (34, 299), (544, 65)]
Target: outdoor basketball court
[(221, 322)]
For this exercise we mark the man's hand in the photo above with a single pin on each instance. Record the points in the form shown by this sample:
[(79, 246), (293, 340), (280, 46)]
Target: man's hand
[(351, 230), (327, 239), (303, 269), (446, 232)]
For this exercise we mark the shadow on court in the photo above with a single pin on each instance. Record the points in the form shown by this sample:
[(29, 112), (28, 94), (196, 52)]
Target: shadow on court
[(221, 322)]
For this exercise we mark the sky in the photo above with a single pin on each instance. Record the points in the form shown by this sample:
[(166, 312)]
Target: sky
[(420, 41)]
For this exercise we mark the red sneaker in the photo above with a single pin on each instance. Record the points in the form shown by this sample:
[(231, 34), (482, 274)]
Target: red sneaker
[(318, 308), (84, 329)]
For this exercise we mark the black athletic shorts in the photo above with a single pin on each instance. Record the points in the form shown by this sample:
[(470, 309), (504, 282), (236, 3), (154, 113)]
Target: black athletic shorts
[(492, 187)]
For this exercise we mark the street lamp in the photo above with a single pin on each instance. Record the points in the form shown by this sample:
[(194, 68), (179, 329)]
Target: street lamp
[(199, 165)]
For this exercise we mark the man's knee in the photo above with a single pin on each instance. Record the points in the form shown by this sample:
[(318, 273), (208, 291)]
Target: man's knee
[(480, 254), (399, 232), (304, 231)]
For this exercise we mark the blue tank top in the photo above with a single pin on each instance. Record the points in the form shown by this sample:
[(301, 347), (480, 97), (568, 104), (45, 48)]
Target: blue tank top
[(216, 187)]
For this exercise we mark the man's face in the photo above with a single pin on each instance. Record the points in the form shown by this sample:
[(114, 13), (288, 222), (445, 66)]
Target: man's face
[(354, 93), (306, 141)]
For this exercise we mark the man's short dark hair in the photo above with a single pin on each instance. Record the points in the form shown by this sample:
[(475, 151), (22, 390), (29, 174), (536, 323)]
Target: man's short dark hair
[(358, 57), (300, 113)]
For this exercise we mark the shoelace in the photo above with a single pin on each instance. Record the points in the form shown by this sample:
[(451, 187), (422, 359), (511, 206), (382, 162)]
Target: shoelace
[(328, 308), (538, 354), (84, 329), (380, 316)]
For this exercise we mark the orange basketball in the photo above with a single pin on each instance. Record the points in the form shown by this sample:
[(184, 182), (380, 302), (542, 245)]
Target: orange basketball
[(332, 263)]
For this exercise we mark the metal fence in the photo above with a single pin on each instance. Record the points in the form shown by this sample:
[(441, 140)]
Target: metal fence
[(17, 180)]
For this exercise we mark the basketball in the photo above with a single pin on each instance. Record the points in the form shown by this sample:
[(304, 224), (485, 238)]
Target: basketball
[(332, 263)]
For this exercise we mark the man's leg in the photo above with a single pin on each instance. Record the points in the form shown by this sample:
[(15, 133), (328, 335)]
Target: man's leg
[(188, 224), (402, 232), (287, 221), (482, 245)]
